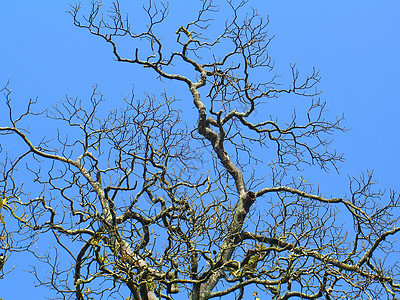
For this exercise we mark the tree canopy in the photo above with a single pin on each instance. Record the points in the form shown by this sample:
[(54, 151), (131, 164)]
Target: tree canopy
[(148, 202)]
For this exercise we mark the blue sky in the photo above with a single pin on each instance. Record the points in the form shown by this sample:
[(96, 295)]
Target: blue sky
[(355, 44)]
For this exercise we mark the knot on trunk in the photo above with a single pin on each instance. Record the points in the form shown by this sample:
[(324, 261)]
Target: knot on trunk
[(249, 199), (251, 196)]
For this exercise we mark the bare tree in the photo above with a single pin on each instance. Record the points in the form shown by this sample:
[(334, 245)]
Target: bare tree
[(141, 211)]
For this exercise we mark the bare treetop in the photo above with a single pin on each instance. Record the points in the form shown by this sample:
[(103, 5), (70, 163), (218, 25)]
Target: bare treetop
[(148, 202)]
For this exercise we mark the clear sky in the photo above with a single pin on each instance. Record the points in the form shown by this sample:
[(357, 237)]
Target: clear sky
[(355, 44)]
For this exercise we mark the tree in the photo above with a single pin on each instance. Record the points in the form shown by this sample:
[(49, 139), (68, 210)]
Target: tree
[(147, 203)]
